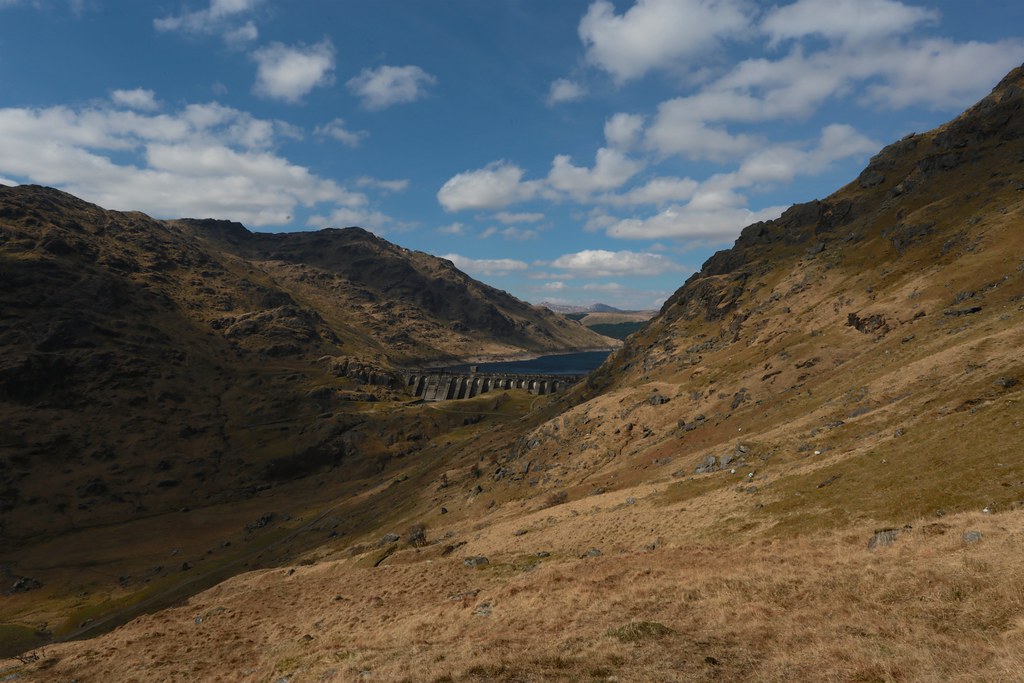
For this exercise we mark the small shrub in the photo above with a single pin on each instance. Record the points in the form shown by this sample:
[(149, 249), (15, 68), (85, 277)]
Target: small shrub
[(556, 499), (416, 535)]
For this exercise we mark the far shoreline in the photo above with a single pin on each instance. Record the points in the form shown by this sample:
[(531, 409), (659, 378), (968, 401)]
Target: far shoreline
[(514, 358)]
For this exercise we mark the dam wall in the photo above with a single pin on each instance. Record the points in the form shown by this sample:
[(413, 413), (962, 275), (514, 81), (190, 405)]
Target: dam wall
[(451, 386)]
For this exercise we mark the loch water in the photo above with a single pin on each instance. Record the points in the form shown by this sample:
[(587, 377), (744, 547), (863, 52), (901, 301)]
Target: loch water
[(562, 364)]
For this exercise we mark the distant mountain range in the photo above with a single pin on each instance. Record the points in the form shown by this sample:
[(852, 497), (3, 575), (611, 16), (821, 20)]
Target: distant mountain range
[(592, 308)]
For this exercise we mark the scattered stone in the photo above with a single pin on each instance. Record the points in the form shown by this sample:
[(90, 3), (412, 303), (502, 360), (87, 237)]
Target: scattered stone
[(658, 399), (869, 325), (593, 552), (476, 561), (829, 481), (870, 178), (265, 519), (908, 338), (972, 536), (708, 464), (388, 538), (444, 511), (738, 398), (464, 596), (883, 538), (956, 312), (1007, 382), (696, 422), (26, 584), (520, 532), (543, 553), (483, 610), (185, 566), (631, 501)]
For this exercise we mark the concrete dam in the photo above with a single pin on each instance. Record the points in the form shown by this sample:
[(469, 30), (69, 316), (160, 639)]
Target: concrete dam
[(448, 386)]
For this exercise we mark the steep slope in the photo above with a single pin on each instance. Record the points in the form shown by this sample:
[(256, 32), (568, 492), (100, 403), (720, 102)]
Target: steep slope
[(807, 467), (868, 342), (416, 306)]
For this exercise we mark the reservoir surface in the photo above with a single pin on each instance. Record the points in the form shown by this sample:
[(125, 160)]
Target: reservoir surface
[(563, 364)]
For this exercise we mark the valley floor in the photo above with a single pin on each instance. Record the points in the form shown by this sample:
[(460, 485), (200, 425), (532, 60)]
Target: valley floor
[(944, 601)]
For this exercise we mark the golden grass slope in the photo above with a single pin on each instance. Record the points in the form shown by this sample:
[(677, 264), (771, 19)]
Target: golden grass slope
[(824, 608)]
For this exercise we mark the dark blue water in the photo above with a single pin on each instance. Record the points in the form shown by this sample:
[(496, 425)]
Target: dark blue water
[(564, 364)]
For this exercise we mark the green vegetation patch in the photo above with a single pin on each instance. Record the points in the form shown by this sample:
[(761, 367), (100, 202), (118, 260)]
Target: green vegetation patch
[(617, 330), (16, 639), (693, 487)]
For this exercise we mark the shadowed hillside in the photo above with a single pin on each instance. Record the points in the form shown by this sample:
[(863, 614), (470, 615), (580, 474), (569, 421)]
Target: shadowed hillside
[(150, 367)]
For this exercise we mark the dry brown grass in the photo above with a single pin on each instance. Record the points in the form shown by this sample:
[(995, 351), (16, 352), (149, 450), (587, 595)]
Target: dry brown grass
[(824, 608)]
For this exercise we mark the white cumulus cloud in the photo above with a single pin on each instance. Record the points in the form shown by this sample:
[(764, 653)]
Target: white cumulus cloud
[(510, 233), (564, 90), (657, 33), (622, 131), (397, 185), (603, 263), (717, 222), (452, 229), (290, 73), (611, 169), (139, 98), (337, 130), (204, 160), (385, 86), (493, 187), (486, 267), (851, 21), (939, 73), (221, 16), (656, 191), (510, 218), (361, 217)]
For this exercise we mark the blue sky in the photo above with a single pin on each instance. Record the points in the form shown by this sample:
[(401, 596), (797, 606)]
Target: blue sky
[(575, 151)]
